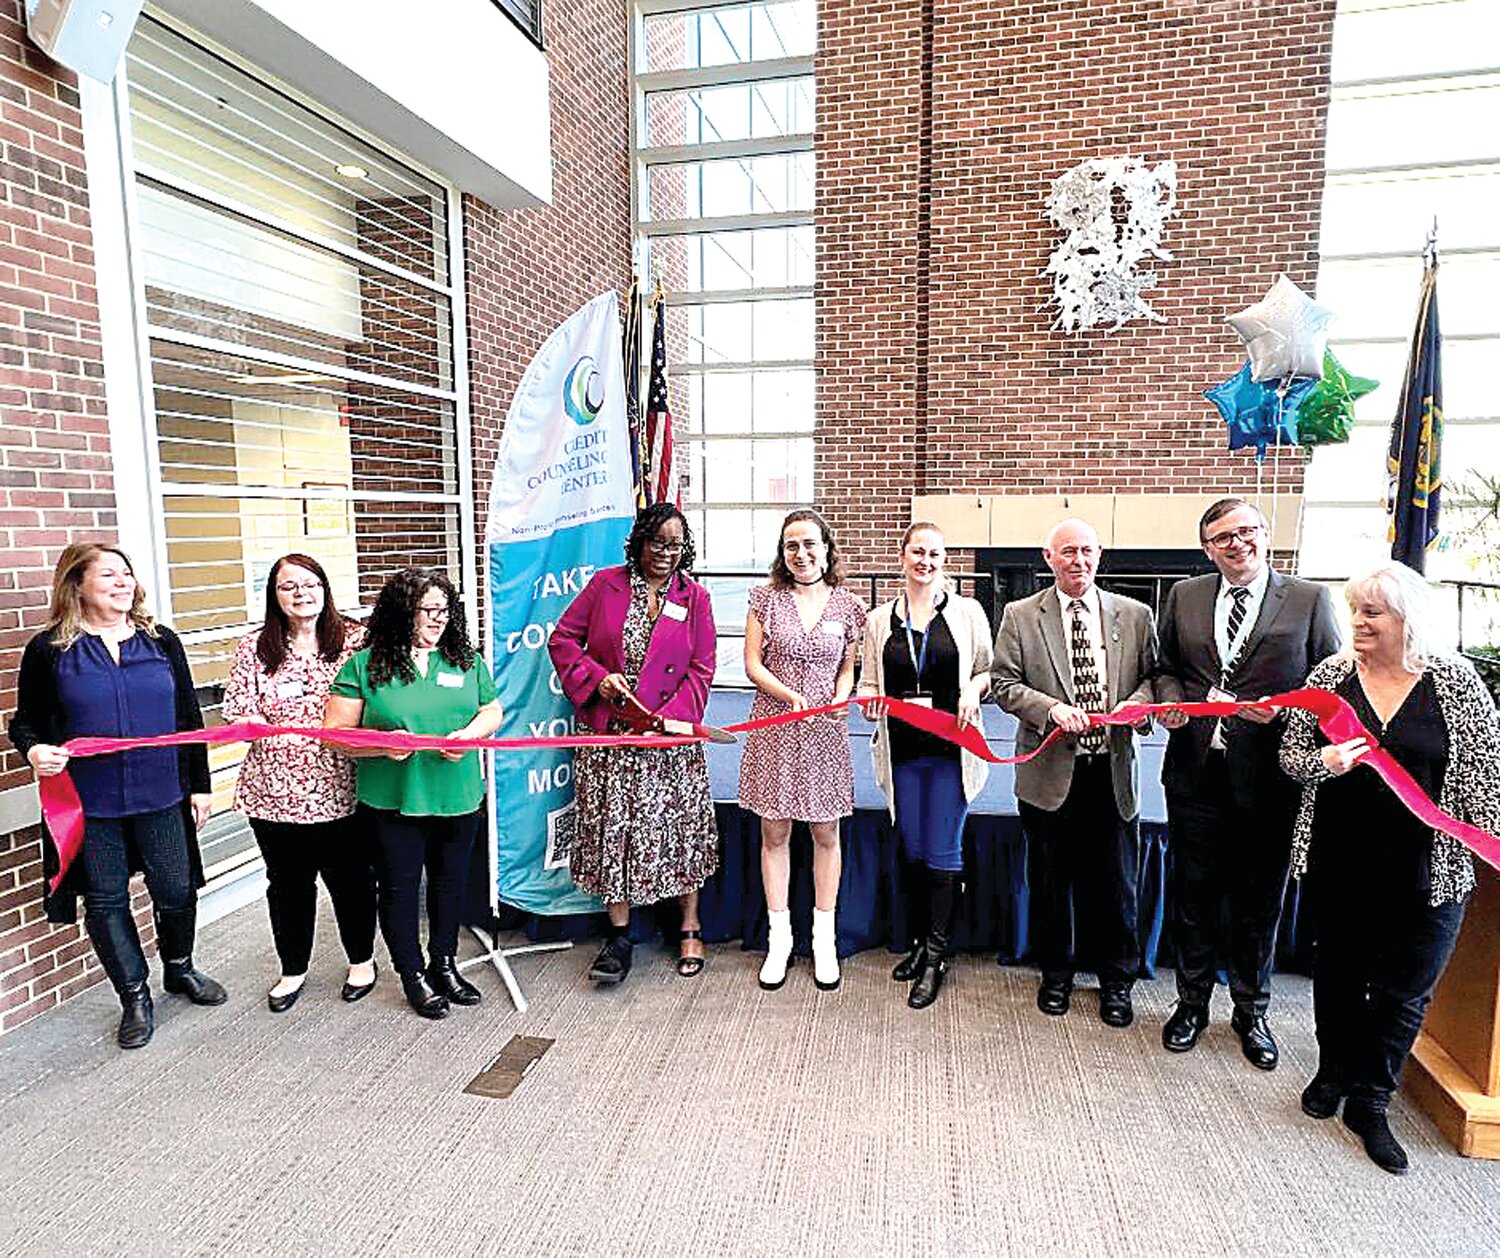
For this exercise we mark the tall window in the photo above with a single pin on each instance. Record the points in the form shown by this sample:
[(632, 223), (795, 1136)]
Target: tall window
[(299, 317), (725, 116), (1411, 138)]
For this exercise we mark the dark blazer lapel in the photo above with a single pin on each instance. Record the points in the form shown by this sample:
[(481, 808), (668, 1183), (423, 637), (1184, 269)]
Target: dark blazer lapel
[(1270, 607), (1049, 612), (1205, 614)]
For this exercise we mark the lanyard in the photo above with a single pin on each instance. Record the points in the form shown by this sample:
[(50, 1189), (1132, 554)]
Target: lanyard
[(919, 661)]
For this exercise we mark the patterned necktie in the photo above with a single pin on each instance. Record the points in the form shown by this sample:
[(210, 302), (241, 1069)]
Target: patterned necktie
[(1086, 688), (1241, 596)]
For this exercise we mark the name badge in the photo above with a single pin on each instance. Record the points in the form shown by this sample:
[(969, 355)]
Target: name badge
[(834, 628), (451, 680), (1217, 694), (290, 690), (674, 611)]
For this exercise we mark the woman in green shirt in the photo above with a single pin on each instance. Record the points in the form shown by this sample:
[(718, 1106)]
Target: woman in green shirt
[(420, 674)]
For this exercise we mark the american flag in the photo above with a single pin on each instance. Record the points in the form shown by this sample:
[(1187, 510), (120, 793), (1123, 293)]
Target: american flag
[(658, 475)]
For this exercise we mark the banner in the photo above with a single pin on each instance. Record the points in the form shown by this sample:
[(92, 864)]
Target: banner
[(561, 505)]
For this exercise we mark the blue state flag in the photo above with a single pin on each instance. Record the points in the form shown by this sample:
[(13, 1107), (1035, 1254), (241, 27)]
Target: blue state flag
[(561, 505), (1414, 461)]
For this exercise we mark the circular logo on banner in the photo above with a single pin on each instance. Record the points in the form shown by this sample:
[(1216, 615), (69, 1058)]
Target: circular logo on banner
[(583, 392)]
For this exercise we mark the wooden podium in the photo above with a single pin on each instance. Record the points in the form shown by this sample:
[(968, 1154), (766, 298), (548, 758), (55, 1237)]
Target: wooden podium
[(1454, 1071)]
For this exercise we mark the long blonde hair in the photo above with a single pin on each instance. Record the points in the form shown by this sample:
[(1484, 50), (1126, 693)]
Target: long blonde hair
[(65, 617)]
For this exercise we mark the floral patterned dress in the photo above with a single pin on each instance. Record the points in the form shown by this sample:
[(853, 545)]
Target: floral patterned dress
[(646, 829), (801, 772)]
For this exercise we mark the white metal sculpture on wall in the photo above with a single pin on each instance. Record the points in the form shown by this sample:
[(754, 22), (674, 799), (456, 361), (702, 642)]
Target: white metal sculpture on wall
[(1114, 210)]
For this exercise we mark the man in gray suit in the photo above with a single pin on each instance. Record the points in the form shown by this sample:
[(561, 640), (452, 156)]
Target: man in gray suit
[(1059, 655), (1242, 632)]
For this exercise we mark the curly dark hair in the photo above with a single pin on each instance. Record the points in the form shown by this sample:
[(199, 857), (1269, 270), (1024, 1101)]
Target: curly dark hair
[(271, 649), (647, 522), (393, 620), (833, 574)]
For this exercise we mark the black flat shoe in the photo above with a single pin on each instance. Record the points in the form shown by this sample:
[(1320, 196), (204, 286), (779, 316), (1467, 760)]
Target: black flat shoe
[(280, 1004), (1256, 1040), (1321, 1097), (1115, 1008), (912, 964), (421, 997), (443, 974), (1053, 998), (137, 1021), (1372, 1127), (1184, 1028), (929, 983), (352, 991), (183, 980), (613, 962)]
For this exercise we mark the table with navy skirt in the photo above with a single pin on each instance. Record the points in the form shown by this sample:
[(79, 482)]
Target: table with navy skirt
[(996, 914)]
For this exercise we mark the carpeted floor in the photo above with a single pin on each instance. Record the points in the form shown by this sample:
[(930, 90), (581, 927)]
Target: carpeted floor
[(693, 1117)]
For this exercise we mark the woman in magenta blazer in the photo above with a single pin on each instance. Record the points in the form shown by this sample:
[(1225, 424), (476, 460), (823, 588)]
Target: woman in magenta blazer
[(645, 827)]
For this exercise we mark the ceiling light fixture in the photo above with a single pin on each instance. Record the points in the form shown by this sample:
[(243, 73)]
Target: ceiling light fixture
[(349, 170)]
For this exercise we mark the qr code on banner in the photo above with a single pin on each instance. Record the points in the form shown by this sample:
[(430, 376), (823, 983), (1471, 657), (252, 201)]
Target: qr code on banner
[(561, 826)]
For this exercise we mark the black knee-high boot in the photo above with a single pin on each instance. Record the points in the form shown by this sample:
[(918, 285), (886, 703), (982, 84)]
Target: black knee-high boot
[(118, 947), (175, 932), (914, 892), (946, 890)]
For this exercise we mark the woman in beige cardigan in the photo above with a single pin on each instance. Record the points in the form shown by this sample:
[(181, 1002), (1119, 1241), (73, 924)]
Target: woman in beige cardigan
[(930, 647)]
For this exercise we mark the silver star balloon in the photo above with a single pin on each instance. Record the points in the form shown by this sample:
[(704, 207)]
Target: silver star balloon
[(1285, 333)]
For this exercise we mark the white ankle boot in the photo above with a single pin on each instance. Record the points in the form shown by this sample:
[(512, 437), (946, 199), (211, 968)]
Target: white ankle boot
[(778, 951), (825, 950)]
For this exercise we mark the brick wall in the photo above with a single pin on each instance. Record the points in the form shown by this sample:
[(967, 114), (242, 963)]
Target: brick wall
[(528, 270), (55, 481), (942, 124)]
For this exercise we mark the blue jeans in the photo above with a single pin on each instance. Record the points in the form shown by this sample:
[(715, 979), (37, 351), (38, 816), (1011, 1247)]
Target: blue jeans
[(159, 843), (931, 810)]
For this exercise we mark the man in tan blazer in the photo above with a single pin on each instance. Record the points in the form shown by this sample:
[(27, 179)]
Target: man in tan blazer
[(1059, 655)]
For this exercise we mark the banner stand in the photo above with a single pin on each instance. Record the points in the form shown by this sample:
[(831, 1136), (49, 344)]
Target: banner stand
[(500, 958)]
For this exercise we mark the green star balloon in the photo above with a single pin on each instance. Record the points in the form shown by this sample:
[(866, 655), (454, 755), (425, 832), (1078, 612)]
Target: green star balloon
[(1327, 413)]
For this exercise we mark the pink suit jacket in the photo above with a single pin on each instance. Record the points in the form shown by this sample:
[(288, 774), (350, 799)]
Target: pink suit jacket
[(587, 646)]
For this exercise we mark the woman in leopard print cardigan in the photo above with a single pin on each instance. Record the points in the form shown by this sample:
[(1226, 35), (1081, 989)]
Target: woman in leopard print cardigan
[(1389, 891)]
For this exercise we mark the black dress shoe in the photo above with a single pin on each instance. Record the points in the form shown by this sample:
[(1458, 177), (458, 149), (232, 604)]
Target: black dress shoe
[(1054, 998), (1184, 1027), (1369, 1123), (613, 962), (1114, 1006), (929, 983), (421, 997), (1321, 1097), (137, 1021), (912, 964), (353, 991), (443, 974), (183, 980), (1256, 1040), (280, 1004)]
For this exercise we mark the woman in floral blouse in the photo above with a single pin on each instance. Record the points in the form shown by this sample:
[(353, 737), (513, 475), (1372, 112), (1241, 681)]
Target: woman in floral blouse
[(299, 793)]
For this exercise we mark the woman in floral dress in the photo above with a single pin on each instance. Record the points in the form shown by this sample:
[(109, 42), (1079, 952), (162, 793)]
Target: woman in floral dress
[(645, 826), (801, 636)]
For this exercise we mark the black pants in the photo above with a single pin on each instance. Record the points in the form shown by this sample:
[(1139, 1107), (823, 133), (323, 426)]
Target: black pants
[(158, 840), (1229, 872), (1084, 856), (1375, 962), (295, 856), (405, 847)]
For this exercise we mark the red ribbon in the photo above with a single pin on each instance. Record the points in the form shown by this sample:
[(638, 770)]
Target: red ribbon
[(64, 813)]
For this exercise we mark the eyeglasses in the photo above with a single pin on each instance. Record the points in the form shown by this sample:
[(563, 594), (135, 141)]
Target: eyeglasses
[(298, 587), (666, 548), (1246, 533), (435, 613)]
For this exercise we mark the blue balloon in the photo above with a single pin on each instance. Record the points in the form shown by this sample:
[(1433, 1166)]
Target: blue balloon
[(1259, 414)]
